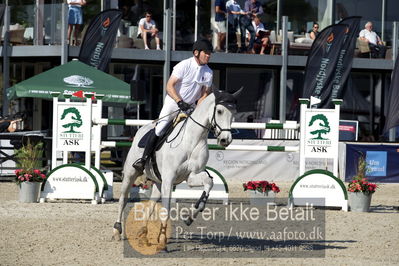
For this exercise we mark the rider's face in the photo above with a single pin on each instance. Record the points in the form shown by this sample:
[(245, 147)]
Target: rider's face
[(204, 57)]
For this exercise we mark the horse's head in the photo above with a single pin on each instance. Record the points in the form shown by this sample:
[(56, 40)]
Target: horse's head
[(222, 116)]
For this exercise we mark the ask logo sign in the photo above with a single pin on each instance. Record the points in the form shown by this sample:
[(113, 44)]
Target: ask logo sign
[(321, 129), (73, 127)]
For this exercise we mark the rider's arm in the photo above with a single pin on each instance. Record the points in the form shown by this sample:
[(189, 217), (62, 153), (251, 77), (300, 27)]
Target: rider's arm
[(170, 88), (205, 91)]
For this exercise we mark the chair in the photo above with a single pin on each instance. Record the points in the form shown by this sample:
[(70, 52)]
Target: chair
[(363, 47), (273, 42)]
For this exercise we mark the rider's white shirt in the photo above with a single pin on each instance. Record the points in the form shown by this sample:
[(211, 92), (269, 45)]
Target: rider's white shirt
[(191, 77)]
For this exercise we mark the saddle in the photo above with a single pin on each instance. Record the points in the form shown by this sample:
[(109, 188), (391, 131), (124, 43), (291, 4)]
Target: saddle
[(151, 168)]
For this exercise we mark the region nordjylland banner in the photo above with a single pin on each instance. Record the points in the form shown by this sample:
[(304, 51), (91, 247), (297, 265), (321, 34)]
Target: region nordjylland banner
[(392, 118), (382, 162), (335, 89), (322, 61), (99, 39)]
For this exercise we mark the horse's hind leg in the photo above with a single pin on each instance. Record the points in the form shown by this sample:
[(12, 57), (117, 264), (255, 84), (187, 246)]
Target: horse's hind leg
[(197, 180), (129, 176)]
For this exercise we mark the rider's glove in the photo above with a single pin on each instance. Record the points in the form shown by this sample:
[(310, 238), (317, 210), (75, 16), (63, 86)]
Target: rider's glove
[(184, 106)]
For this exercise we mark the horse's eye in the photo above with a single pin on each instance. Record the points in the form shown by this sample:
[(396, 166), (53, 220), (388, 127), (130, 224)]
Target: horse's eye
[(220, 112)]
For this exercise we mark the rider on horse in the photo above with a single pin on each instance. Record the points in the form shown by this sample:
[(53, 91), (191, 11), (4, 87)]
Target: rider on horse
[(190, 82)]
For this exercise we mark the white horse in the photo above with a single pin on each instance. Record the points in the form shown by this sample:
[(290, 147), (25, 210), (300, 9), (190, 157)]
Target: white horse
[(182, 157)]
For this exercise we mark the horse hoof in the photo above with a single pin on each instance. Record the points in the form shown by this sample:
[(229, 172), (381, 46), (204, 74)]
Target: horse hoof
[(118, 227), (162, 249), (188, 221), (116, 236), (143, 242)]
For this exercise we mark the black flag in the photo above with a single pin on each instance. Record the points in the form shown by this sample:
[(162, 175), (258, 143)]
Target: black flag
[(100, 38), (344, 63), (392, 118), (2, 9), (322, 62)]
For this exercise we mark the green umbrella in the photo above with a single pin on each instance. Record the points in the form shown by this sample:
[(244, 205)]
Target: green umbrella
[(73, 77)]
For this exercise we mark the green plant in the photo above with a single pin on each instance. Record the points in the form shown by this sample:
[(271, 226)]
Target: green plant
[(29, 161), (359, 182), (29, 156)]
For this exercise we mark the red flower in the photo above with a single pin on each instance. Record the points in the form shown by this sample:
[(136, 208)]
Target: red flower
[(36, 171), (261, 186)]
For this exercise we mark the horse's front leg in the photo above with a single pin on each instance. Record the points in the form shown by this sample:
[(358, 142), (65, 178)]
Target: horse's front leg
[(198, 180), (142, 233), (167, 182)]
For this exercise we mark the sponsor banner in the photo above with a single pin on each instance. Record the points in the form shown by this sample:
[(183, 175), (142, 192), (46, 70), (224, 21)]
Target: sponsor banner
[(320, 184), (73, 132), (382, 162), (392, 118), (244, 166), (322, 61), (335, 89), (99, 39), (376, 163), (321, 139), (348, 130), (70, 181)]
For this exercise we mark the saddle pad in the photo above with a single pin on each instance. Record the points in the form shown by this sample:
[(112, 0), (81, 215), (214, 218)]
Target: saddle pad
[(143, 140)]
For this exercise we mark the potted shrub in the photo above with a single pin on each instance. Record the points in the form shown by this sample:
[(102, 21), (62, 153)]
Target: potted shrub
[(261, 192), (360, 190), (29, 177)]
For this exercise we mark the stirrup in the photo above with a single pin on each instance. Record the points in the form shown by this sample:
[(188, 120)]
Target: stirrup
[(139, 164)]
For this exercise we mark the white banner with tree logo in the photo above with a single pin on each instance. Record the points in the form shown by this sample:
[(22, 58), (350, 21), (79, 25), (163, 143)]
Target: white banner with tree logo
[(73, 129), (321, 137)]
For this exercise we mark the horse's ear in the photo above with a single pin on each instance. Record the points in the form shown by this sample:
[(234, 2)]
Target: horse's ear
[(216, 92), (237, 93)]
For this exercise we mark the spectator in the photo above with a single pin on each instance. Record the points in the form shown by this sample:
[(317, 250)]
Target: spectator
[(261, 34), (148, 30), (246, 25), (314, 31), (220, 21), (75, 19), (253, 7), (233, 17), (377, 47)]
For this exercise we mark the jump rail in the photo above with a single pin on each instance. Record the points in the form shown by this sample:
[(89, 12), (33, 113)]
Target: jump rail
[(217, 147), (238, 125)]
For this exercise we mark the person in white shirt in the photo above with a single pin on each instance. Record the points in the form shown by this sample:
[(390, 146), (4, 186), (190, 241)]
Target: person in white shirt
[(376, 45), (261, 34), (148, 30), (75, 19), (189, 84)]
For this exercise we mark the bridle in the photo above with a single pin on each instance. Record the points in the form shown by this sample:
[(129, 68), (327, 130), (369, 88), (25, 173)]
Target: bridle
[(214, 124)]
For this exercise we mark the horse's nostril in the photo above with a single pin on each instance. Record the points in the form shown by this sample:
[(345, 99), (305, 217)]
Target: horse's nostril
[(223, 141)]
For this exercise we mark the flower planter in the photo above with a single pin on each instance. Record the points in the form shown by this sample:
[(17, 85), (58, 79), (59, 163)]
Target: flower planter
[(29, 192), (359, 201), (262, 198)]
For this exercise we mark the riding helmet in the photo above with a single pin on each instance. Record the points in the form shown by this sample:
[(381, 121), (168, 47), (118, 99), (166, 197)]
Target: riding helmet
[(203, 45)]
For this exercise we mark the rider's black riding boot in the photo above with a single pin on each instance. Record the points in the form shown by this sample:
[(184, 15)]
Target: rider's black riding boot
[(149, 148)]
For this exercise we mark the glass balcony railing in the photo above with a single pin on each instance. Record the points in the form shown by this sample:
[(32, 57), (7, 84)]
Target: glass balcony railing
[(42, 24)]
